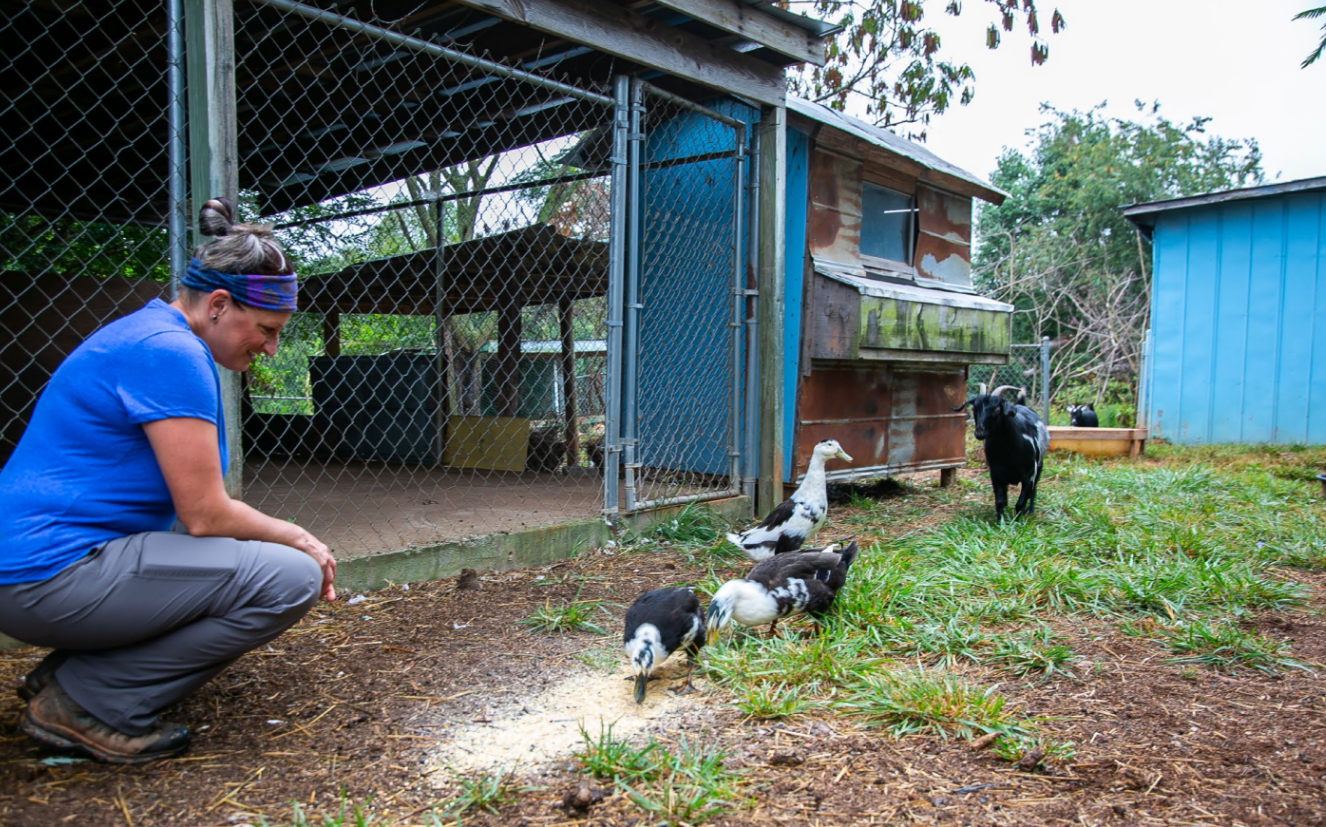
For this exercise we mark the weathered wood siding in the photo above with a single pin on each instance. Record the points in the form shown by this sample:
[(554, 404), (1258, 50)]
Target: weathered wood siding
[(943, 238), (888, 418), (41, 331), (835, 207)]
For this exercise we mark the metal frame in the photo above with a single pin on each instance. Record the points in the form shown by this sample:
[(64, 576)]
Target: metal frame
[(633, 305)]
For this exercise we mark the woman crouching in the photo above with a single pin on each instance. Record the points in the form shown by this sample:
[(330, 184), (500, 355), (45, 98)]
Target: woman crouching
[(119, 546)]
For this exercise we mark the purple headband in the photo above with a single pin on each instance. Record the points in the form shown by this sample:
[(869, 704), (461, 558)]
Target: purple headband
[(263, 292)]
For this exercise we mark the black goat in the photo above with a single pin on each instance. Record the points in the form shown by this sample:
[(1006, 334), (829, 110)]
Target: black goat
[(1083, 416), (1015, 444)]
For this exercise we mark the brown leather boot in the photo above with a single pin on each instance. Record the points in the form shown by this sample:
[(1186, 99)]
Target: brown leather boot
[(29, 685), (33, 682), (54, 719)]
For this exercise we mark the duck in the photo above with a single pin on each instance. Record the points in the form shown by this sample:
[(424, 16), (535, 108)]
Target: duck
[(795, 519), (784, 585), (658, 623)]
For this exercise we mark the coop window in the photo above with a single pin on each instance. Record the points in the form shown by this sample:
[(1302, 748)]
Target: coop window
[(886, 224)]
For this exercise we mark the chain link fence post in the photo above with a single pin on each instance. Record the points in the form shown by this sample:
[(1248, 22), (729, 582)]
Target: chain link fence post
[(1045, 379)]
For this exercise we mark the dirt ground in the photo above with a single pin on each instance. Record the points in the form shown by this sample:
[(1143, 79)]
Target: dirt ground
[(383, 700), (360, 508)]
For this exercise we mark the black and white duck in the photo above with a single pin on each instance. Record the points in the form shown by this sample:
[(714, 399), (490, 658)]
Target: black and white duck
[(660, 622), (802, 582), (795, 519)]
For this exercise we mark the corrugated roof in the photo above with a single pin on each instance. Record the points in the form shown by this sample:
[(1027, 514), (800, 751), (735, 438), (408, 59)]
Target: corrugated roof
[(1144, 215), (884, 138)]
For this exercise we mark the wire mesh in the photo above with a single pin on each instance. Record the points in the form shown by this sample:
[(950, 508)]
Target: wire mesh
[(83, 194), (1027, 368), (687, 326), (446, 381), (456, 222)]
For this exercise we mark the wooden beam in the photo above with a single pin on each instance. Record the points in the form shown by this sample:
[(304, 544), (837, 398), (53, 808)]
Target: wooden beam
[(772, 256), (507, 379), (331, 333), (566, 318), (213, 162), (634, 37), (757, 27)]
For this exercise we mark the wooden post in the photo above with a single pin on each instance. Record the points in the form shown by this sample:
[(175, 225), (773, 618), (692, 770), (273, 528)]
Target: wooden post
[(947, 476), (508, 357), (772, 244), (331, 333), (565, 318), (442, 327), (213, 166)]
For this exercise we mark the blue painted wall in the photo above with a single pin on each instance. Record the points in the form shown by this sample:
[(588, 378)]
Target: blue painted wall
[(794, 274), (689, 236), (1238, 322)]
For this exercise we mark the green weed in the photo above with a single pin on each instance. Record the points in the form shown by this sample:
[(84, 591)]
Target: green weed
[(685, 786), (1040, 652), (775, 701), (690, 787), (486, 792), (929, 702), (572, 616), (1226, 647)]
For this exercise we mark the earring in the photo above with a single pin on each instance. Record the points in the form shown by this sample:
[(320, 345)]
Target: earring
[(214, 315)]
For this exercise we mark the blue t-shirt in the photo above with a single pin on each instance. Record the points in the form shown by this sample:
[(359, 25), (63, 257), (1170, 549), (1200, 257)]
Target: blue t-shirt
[(84, 472)]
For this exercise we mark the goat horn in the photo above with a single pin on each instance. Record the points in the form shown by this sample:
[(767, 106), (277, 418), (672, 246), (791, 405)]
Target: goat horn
[(984, 387), (1003, 388)]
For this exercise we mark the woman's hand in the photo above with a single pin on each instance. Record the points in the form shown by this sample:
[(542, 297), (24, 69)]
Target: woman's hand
[(185, 449), (321, 555)]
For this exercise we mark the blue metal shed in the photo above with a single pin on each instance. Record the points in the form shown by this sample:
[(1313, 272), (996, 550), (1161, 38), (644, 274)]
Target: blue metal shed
[(1237, 345)]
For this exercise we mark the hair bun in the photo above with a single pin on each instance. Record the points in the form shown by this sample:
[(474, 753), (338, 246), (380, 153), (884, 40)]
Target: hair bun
[(216, 217)]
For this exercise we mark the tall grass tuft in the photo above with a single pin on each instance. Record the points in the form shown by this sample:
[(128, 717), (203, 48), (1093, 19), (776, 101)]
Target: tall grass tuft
[(574, 615), (687, 785), (930, 702), (1226, 647)]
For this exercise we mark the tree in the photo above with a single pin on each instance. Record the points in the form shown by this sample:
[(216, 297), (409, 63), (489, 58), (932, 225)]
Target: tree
[(1062, 253), (1313, 14), (886, 54)]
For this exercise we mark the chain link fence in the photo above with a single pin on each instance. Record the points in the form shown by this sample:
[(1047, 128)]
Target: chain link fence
[(684, 294), (83, 184), (488, 321), (1028, 367), (433, 390)]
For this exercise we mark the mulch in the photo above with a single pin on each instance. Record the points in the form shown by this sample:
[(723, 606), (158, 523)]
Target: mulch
[(343, 710)]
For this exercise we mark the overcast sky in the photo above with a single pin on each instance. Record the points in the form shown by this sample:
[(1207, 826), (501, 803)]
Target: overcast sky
[(1236, 61)]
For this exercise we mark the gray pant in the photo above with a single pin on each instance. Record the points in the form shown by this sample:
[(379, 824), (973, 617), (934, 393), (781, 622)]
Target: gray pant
[(146, 619)]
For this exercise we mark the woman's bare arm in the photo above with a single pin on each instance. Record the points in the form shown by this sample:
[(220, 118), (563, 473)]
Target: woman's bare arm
[(186, 450)]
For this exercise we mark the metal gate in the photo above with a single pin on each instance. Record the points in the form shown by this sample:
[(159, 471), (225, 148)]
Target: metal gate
[(682, 304)]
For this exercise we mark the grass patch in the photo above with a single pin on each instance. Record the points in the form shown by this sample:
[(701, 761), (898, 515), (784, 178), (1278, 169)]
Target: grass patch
[(688, 785), (1040, 652), (1226, 647), (936, 703), (601, 658), (694, 525), (482, 793), (776, 701), (612, 759), (1145, 546), (574, 615)]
